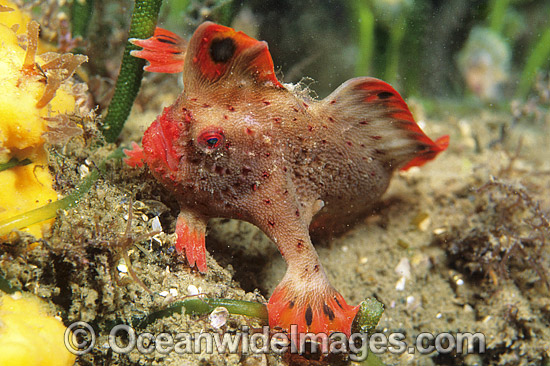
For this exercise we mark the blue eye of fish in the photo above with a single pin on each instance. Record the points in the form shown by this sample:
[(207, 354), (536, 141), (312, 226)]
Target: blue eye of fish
[(211, 138), (212, 141)]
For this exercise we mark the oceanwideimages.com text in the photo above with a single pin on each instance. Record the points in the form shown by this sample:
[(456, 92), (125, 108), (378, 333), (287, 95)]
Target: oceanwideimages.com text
[(80, 339)]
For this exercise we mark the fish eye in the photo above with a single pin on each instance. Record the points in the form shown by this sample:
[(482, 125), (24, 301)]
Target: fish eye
[(211, 138)]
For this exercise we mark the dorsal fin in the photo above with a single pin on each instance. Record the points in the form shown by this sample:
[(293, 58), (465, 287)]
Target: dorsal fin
[(165, 51), (375, 116), (219, 54)]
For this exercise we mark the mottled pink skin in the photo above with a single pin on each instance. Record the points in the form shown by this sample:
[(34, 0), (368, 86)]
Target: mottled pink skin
[(238, 144)]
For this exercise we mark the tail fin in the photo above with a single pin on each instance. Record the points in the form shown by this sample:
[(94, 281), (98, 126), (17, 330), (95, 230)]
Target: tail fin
[(376, 120), (165, 51), (430, 153)]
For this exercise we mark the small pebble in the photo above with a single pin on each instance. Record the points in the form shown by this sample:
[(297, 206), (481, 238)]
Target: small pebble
[(218, 317), (193, 290), (400, 285), (403, 268), (155, 224), (122, 267), (83, 170)]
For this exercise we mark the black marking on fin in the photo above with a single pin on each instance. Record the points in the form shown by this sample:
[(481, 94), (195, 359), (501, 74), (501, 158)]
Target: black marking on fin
[(385, 95), (338, 302), (166, 40), (309, 316), (328, 311)]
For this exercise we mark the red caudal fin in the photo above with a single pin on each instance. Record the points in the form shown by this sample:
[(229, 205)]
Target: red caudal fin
[(376, 117), (429, 153), (190, 232), (165, 51)]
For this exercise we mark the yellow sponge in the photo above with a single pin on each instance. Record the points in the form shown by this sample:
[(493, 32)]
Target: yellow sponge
[(22, 124), (15, 18), (28, 335)]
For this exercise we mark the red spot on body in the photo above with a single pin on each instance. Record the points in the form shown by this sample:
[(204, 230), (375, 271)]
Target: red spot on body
[(364, 122), (254, 187), (305, 104), (349, 143), (332, 101), (267, 102), (277, 119), (310, 128), (331, 119), (271, 223), (231, 108), (267, 201), (248, 131), (265, 175), (375, 137)]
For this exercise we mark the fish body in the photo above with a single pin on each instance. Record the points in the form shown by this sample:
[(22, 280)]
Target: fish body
[(239, 144)]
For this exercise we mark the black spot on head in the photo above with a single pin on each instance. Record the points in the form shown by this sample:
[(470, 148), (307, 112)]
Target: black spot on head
[(385, 95), (309, 316), (222, 49)]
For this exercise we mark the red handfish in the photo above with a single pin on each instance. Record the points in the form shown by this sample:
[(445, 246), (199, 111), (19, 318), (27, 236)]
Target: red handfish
[(239, 144)]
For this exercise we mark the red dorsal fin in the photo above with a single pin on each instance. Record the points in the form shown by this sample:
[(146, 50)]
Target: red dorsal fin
[(375, 117), (221, 55), (165, 51)]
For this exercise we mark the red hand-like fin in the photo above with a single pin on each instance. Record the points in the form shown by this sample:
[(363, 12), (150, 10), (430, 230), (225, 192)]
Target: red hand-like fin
[(191, 233), (165, 51), (314, 311), (135, 156), (216, 52), (379, 120)]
